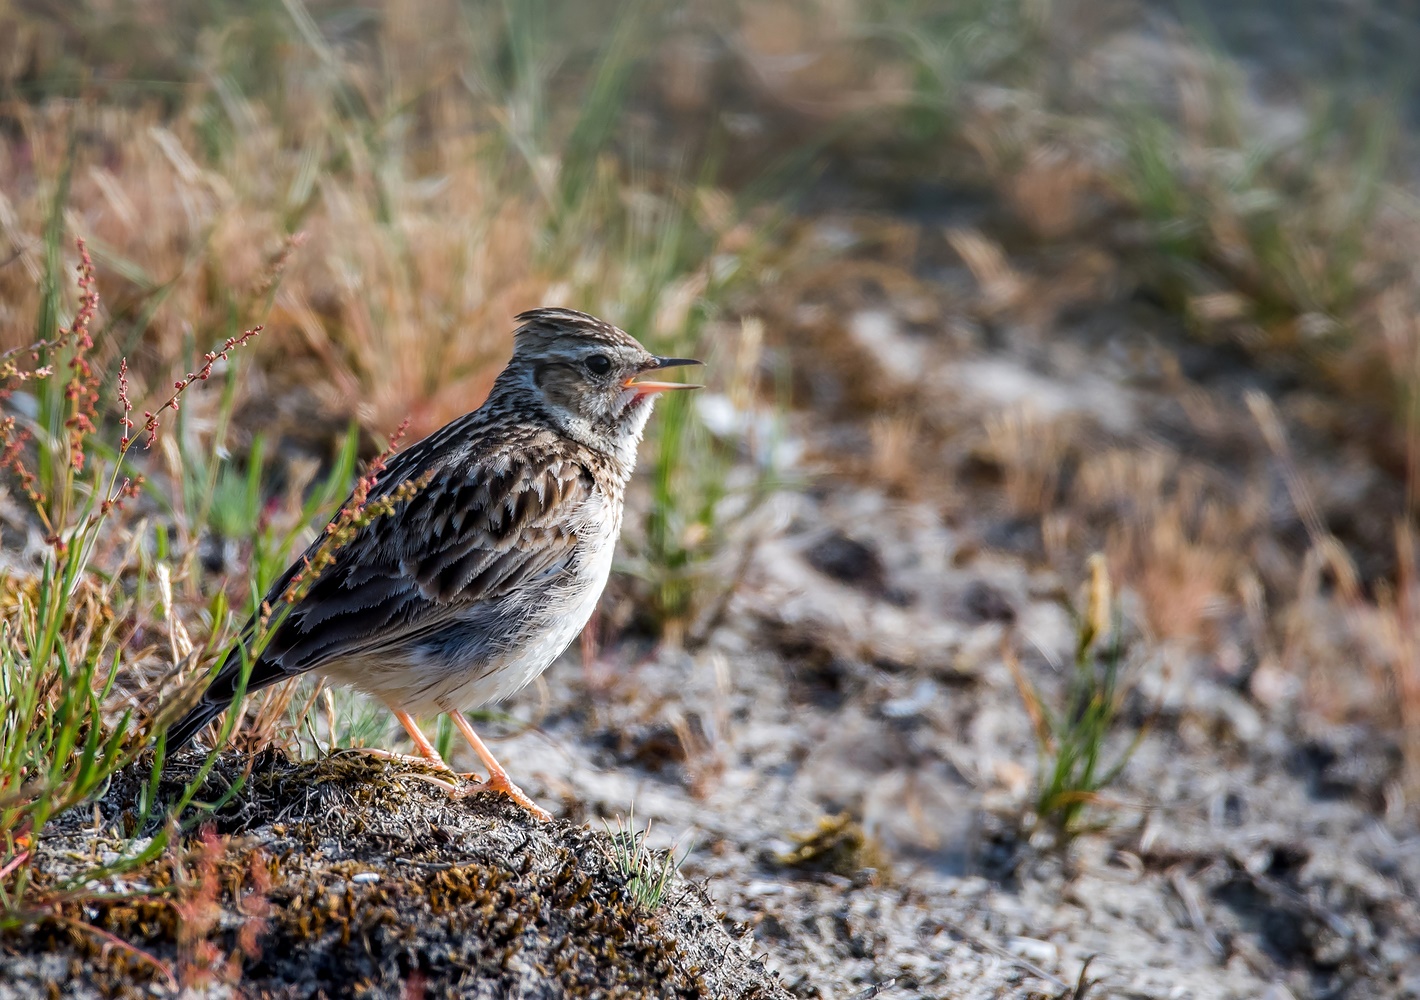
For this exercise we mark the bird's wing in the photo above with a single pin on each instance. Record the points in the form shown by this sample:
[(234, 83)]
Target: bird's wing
[(471, 534), (476, 531)]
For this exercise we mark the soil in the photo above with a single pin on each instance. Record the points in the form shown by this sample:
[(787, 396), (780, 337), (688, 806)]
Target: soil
[(345, 877), (846, 759)]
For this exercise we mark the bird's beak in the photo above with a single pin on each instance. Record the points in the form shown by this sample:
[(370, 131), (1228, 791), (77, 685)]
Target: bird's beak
[(647, 388)]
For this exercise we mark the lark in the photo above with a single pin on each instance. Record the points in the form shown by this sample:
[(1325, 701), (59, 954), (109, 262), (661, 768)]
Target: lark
[(473, 585)]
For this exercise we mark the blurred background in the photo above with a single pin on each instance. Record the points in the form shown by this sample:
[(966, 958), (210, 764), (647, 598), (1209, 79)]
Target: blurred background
[(1036, 576)]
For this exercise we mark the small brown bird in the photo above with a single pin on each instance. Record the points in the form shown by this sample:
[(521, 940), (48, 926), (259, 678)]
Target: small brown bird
[(472, 586)]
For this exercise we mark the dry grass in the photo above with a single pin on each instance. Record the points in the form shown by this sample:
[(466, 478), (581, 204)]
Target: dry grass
[(1172, 533), (1136, 161), (1031, 449), (399, 295)]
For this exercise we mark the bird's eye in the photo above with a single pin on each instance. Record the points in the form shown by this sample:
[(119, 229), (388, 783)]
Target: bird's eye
[(598, 364)]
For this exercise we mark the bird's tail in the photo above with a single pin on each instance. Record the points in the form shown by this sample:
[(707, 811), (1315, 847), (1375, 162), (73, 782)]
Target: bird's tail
[(220, 694), (180, 733)]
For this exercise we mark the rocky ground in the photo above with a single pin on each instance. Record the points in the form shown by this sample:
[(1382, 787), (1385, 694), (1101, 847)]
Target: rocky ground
[(845, 759), (1253, 847)]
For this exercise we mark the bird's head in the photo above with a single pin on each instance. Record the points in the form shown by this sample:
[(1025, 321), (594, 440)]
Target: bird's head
[(595, 381)]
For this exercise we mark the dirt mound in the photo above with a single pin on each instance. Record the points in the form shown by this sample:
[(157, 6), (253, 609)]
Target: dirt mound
[(348, 877)]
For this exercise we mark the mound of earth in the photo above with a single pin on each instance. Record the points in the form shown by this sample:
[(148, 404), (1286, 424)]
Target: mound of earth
[(349, 877)]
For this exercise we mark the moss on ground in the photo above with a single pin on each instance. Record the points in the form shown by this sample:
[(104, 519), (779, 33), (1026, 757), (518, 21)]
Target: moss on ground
[(349, 877)]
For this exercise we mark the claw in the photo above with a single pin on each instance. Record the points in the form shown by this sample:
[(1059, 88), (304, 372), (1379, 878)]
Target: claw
[(500, 785), (497, 777), (436, 762)]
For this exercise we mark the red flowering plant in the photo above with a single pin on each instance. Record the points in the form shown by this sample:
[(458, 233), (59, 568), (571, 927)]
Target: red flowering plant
[(76, 703), (61, 642)]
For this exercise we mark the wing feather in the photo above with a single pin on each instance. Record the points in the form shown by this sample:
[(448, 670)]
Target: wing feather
[(461, 540), (476, 532), (492, 518)]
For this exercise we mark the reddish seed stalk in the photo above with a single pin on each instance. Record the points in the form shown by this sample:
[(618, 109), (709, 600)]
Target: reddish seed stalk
[(130, 487), (150, 417), (126, 421), (81, 391), (83, 388), (13, 458), (82, 394), (356, 513)]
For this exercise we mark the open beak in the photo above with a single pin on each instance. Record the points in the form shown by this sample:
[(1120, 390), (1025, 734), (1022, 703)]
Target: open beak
[(647, 388)]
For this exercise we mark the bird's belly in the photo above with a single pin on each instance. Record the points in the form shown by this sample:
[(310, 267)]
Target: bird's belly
[(490, 654), (546, 632)]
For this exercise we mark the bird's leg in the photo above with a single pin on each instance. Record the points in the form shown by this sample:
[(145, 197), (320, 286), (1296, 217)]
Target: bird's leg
[(427, 753), (497, 777)]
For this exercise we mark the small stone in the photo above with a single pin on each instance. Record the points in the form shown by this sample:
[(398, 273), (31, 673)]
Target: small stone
[(849, 561), (986, 603), (913, 704)]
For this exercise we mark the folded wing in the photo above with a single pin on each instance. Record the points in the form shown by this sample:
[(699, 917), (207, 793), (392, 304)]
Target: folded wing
[(475, 532)]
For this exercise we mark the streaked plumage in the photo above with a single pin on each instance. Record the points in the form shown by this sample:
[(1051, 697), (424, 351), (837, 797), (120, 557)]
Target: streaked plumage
[(468, 590)]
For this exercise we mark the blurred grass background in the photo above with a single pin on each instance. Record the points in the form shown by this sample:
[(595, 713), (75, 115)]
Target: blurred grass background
[(451, 162)]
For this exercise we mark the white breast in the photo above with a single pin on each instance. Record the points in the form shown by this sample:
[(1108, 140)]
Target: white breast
[(558, 616)]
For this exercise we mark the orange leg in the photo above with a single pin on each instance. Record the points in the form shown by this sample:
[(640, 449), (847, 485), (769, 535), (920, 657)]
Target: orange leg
[(497, 777), (421, 742), (427, 753)]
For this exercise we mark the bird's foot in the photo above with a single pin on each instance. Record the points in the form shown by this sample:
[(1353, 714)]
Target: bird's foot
[(435, 761), (449, 788), (499, 783)]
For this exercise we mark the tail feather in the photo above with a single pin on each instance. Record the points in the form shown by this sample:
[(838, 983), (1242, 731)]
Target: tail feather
[(180, 734), (219, 695)]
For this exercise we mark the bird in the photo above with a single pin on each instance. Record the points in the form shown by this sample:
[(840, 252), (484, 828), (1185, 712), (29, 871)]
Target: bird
[(493, 554)]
